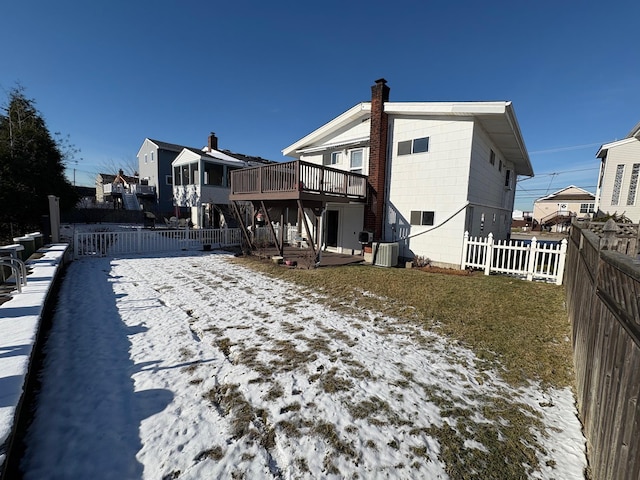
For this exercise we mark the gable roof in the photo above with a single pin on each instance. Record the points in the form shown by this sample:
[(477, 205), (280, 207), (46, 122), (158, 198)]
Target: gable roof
[(109, 178), (497, 118), (632, 136), (172, 147), (564, 195), (188, 154)]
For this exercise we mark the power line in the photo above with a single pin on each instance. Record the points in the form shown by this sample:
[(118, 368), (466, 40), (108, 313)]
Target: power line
[(538, 175), (566, 149)]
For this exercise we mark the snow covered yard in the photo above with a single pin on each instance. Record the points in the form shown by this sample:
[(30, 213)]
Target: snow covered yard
[(189, 367)]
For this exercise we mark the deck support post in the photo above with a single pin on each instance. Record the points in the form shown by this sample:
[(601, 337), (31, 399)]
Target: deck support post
[(306, 228), (279, 241), (243, 227)]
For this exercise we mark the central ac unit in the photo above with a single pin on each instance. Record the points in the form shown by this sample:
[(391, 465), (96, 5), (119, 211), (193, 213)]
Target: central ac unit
[(385, 254)]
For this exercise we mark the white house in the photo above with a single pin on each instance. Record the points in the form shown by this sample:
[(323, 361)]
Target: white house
[(201, 181), (617, 191), (555, 211), (434, 170)]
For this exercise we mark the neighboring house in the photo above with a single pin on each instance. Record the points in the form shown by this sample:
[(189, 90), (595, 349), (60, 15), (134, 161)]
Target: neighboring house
[(196, 197), (555, 211), (522, 220), (154, 166), (433, 171), (123, 191), (617, 191), (201, 183)]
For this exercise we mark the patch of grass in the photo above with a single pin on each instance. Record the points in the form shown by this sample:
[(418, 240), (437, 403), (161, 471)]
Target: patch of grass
[(274, 392), (328, 431), (522, 324), (290, 328), (289, 357), (331, 382), (216, 453), (185, 353), (502, 431), (292, 407), (230, 402), (224, 344), (302, 464)]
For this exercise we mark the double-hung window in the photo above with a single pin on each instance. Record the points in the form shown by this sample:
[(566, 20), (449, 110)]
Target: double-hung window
[(587, 208), (355, 160)]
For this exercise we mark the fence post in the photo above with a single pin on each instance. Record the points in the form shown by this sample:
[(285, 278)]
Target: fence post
[(561, 259), (139, 239), (488, 254), (533, 253), (465, 244)]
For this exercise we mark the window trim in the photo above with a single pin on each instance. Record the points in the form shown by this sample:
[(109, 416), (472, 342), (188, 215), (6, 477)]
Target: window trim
[(359, 169), (588, 207), (401, 149), (427, 217)]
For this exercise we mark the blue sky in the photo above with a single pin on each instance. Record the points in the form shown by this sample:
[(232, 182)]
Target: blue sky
[(264, 74)]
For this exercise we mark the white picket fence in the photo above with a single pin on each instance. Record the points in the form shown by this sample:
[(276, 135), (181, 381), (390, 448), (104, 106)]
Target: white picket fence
[(532, 260), (86, 244)]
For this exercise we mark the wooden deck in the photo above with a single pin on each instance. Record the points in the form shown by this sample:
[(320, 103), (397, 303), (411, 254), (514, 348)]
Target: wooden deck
[(297, 180)]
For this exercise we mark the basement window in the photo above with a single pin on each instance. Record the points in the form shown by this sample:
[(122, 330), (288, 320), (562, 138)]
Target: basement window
[(417, 145), (422, 218)]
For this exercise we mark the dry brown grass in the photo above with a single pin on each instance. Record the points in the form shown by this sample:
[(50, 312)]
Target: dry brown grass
[(522, 324)]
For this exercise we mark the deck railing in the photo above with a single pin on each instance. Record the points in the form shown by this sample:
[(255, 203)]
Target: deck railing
[(297, 176)]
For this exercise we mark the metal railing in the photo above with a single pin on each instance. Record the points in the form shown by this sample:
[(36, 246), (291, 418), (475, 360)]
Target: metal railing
[(19, 270)]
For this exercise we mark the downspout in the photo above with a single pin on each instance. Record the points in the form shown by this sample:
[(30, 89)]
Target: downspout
[(387, 181)]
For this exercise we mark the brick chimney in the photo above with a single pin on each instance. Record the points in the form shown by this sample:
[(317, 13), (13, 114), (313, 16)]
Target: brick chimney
[(213, 142), (374, 210)]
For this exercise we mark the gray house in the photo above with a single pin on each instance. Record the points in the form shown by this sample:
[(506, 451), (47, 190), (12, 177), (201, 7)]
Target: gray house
[(154, 167)]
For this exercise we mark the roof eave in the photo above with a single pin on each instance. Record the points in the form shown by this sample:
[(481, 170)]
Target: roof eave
[(350, 115)]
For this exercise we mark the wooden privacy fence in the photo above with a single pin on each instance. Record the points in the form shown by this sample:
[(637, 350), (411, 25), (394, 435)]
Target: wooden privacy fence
[(142, 240), (532, 260), (603, 302)]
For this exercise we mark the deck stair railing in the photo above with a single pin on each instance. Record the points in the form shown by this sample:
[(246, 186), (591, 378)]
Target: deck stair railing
[(532, 260), (556, 217)]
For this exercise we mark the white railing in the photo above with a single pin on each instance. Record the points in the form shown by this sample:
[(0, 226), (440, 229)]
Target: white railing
[(101, 244), (532, 260)]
